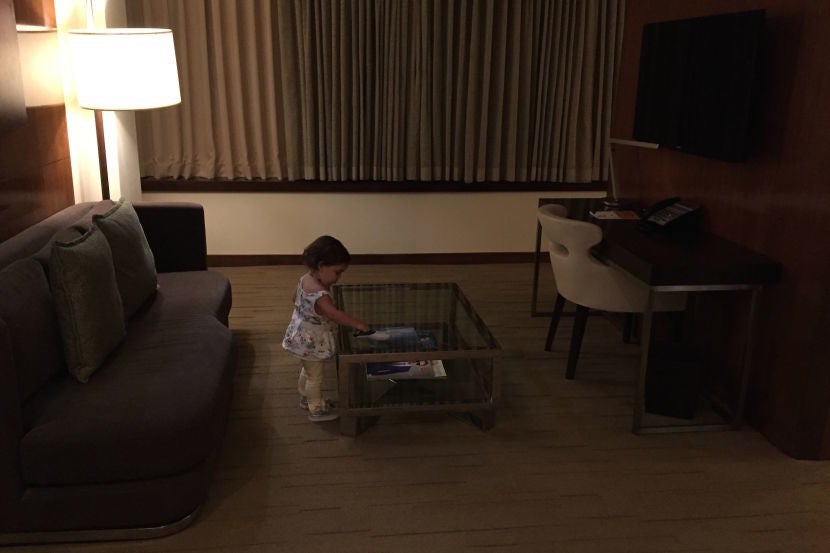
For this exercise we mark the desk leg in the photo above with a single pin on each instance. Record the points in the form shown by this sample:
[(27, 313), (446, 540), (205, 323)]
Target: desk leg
[(749, 347), (645, 344)]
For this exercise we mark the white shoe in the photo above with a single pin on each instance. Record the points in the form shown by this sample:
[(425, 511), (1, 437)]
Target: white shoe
[(322, 415), (303, 403)]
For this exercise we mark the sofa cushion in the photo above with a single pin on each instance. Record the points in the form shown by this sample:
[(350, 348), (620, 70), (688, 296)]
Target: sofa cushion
[(44, 254), (187, 293), (26, 308), (155, 409), (135, 269), (85, 222), (90, 314), (37, 236)]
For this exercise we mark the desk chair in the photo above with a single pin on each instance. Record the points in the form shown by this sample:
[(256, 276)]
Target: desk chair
[(587, 282)]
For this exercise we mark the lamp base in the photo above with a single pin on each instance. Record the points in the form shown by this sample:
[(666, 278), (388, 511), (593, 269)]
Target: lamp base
[(611, 204)]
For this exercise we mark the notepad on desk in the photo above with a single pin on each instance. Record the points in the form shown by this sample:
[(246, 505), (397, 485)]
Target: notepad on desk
[(617, 215)]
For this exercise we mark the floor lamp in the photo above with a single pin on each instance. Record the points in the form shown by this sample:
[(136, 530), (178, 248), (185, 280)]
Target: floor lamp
[(124, 69)]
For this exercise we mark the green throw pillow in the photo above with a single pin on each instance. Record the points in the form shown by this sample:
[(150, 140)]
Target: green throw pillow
[(90, 313), (135, 268)]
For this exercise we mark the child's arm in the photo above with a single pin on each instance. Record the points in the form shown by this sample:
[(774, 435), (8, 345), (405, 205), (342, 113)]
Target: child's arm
[(325, 306)]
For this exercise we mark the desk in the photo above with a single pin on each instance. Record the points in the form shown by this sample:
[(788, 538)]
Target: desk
[(698, 263)]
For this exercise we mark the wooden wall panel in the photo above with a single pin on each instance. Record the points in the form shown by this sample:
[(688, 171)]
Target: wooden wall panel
[(35, 171), (777, 202), (35, 12), (12, 103)]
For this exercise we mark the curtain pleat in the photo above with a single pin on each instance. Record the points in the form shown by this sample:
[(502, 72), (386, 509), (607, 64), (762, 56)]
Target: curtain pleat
[(339, 90)]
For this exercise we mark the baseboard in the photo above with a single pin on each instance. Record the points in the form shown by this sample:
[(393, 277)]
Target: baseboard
[(380, 259), (149, 184)]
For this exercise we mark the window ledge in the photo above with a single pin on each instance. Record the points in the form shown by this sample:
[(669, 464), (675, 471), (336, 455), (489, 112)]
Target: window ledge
[(311, 186)]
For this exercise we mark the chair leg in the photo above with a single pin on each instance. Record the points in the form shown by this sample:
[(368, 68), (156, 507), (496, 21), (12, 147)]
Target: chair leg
[(554, 320), (628, 328), (580, 319), (676, 318)]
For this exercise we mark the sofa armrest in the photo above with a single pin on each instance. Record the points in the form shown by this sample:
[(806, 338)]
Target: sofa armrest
[(176, 233)]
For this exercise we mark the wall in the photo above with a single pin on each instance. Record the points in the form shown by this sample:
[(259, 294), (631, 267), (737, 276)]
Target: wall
[(35, 174), (241, 224), (35, 169), (377, 223), (778, 203), (118, 127)]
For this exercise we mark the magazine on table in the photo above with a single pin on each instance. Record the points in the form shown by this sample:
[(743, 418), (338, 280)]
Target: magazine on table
[(403, 370)]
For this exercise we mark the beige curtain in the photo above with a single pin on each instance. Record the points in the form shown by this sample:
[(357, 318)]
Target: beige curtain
[(431, 90)]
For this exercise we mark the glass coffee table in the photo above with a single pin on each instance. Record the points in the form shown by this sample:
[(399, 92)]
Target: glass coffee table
[(421, 323)]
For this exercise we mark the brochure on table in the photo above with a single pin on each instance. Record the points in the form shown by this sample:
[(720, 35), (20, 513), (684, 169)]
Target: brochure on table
[(405, 370)]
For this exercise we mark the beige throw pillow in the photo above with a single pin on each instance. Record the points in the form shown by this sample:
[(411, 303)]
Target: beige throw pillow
[(90, 314)]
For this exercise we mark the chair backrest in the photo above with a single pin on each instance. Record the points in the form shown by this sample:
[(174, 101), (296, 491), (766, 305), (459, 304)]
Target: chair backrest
[(568, 235), (580, 278), (584, 280)]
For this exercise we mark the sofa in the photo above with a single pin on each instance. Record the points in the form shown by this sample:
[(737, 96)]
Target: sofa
[(128, 453)]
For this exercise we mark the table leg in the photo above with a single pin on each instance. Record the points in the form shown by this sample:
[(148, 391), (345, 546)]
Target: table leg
[(749, 346), (343, 376), (354, 426), (484, 419), (645, 345)]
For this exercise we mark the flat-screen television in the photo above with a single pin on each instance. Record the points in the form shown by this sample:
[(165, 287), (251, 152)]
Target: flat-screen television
[(698, 82)]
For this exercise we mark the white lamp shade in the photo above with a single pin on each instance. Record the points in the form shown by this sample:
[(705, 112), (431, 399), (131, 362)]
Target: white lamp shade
[(40, 65), (125, 69)]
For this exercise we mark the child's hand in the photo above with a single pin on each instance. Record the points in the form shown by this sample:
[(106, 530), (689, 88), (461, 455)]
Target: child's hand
[(376, 335)]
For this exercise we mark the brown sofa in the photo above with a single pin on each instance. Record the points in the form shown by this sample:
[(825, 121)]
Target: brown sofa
[(128, 454)]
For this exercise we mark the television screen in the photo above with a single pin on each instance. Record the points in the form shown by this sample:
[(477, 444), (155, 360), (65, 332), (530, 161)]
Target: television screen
[(697, 82)]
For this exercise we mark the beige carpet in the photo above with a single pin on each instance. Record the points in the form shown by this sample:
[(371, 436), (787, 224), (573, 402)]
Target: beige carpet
[(560, 471)]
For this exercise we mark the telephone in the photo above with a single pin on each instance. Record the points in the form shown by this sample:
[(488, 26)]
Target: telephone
[(670, 215)]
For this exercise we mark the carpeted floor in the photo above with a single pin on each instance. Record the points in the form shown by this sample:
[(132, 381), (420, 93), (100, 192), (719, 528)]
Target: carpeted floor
[(559, 472)]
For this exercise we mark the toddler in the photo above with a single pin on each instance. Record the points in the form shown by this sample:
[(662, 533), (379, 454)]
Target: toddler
[(310, 334)]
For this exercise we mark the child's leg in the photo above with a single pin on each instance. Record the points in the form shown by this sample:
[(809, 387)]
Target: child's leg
[(310, 381), (301, 382)]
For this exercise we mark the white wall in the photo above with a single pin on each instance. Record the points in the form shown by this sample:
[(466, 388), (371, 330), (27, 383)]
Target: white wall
[(80, 123), (119, 127), (377, 223)]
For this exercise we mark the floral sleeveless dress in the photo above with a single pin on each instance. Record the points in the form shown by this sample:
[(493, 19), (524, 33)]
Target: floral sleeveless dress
[(309, 335)]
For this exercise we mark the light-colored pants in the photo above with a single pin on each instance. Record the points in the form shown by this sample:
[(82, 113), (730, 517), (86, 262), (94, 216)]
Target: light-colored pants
[(310, 381)]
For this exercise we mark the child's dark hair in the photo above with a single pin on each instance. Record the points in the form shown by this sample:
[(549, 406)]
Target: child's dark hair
[(326, 250)]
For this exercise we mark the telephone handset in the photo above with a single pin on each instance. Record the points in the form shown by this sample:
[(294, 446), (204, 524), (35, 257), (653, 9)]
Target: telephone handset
[(671, 214)]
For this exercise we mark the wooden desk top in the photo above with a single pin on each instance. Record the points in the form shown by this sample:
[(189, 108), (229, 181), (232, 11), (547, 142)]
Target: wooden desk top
[(699, 259)]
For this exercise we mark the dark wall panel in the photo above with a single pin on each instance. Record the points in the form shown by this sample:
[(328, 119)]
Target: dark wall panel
[(12, 105), (35, 171), (777, 202)]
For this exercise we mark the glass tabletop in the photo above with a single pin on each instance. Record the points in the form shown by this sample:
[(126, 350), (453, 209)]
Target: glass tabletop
[(416, 321)]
